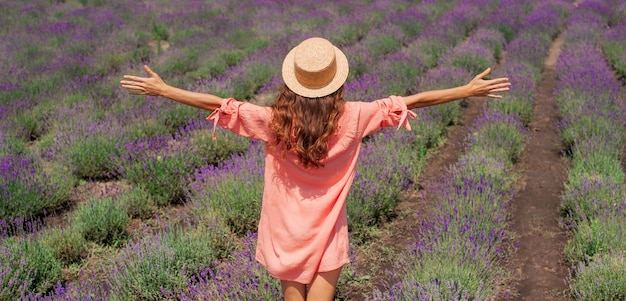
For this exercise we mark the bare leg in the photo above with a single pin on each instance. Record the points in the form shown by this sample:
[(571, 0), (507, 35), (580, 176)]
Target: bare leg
[(293, 291), (323, 286)]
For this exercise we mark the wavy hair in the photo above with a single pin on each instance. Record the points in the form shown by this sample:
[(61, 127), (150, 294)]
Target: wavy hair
[(305, 125)]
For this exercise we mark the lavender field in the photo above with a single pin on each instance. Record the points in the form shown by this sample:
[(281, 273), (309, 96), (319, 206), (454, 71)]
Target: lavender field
[(110, 196)]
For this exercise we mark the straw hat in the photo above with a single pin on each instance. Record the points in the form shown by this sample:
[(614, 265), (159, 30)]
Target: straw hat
[(315, 68)]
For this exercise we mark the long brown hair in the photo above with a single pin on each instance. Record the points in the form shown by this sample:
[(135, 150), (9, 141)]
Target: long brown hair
[(306, 124)]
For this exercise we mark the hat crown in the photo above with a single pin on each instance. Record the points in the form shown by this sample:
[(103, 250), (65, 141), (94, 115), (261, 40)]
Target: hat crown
[(315, 68), (314, 62)]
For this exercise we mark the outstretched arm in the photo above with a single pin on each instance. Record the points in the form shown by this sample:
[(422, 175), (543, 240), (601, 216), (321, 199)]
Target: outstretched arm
[(155, 86), (476, 87)]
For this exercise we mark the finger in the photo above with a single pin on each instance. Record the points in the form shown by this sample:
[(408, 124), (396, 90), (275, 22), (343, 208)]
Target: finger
[(498, 80), (136, 92), (133, 87), (129, 82), (499, 90), (134, 78), (494, 95), (149, 71), (484, 73), (500, 86)]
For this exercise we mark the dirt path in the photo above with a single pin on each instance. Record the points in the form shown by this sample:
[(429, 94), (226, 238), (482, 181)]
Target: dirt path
[(539, 269)]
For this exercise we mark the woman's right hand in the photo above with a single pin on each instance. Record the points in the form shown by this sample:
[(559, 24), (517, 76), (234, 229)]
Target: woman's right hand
[(152, 85), (487, 87)]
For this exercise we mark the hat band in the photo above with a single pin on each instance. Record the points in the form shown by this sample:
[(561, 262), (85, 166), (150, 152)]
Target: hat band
[(316, 79)]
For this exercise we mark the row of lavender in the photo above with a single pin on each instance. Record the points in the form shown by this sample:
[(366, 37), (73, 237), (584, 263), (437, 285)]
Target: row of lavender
[(593, 119), (153, 164), (463, 247)]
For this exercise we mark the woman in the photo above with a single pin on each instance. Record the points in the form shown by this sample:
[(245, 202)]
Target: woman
[(312, 137)]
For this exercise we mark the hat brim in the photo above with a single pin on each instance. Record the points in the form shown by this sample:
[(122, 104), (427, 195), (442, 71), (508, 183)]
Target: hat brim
[(289, 76)]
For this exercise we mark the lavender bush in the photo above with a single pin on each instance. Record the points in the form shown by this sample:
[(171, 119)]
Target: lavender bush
[(600, 279), (148, 268), (239, 277), (592, 199), (232, 189), (499, 136), (27, 190), (101, 221), (27, 265)]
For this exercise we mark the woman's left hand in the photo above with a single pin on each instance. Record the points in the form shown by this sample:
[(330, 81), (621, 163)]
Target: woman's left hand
[(482, 87)]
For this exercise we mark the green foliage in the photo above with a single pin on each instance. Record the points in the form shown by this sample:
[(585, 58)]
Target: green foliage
[(615, 53), (439, 7), (152, 127), (499, 140), (141, 53), (379, 179), (218, 64), (599, 235), (90, 158), (601, 278), (9, 144), (102, 221), (238, 204), (477, 166), (138, 203), (35, 122), (451, 265), (69, 244), (430, 51), (575, 104), (472, 62), (178, 116), (91, 2), (383, 44), (162, 177), (31, 265), (241, 37), (164, 262), (111, 62), (181, 62), (446, 114), (30, 190), (590, 197), (348, 33), (215, 151), (587, 126), (514, 104), (73, 98), (595, 167), (507, 31), (160, 32), (246, 85), (429, 133)]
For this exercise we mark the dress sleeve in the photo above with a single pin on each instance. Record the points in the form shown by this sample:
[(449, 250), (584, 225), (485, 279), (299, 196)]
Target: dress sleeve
[(243, 118), (386, 112)]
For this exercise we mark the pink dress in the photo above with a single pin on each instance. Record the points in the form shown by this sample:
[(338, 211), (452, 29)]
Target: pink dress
[(303, 227)]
